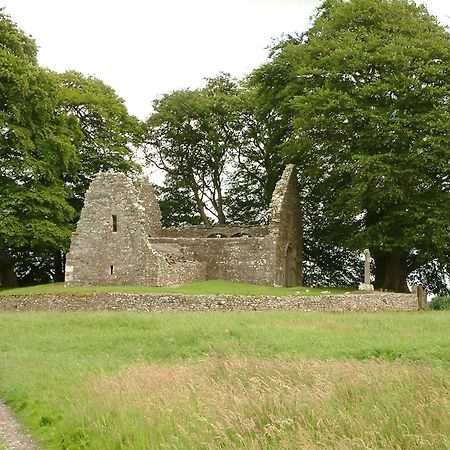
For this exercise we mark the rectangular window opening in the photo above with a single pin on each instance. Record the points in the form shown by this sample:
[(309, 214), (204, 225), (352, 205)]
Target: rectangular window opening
[(111, 268), (114, 220)]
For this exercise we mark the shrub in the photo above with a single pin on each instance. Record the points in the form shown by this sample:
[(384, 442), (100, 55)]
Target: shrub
[(440, 303)]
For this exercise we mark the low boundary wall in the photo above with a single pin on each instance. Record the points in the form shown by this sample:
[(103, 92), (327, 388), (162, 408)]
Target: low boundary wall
[(110, 301)]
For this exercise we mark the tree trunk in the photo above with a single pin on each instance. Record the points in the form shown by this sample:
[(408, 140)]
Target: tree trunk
[(200, 207), (8, 277), (391, 272), (58, 263), (219, 208)]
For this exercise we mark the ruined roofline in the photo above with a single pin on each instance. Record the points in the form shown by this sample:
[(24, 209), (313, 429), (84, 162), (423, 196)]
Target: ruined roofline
[(288, 176), (141, 183)]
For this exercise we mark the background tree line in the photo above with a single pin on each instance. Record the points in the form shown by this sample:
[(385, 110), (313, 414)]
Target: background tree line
[(360, 102)]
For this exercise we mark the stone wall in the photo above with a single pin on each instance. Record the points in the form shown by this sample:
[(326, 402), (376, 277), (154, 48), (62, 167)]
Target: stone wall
[(111, 244), (249, 260), (371, 302), (119, 240), (181, 271)]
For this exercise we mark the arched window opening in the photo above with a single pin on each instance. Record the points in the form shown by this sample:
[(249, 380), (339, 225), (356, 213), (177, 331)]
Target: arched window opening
[(241, 235)]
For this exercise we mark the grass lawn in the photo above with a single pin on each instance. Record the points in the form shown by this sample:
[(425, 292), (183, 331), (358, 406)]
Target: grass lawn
[(265, 380), (210, 287)]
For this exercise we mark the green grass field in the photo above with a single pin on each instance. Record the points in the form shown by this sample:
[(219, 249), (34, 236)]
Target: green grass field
[(266, 380), (210, 287)]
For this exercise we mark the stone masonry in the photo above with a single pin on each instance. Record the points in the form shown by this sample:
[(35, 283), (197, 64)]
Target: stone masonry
[(119, 240), (119, 301)]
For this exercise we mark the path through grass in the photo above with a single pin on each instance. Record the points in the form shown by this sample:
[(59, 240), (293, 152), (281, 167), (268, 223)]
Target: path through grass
[(228, 380)]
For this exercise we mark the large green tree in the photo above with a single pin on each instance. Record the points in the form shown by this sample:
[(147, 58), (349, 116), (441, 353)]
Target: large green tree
[(190, 137), (177, 203), (106, 135), (36, 151), (366, 92), (221, 143), (257, 162)]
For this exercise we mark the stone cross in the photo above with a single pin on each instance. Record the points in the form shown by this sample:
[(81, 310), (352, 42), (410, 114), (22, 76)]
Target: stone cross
[(366, 266), (366, 286)]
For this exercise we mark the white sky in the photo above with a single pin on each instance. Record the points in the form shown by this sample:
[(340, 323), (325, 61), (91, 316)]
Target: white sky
[(145, 48)]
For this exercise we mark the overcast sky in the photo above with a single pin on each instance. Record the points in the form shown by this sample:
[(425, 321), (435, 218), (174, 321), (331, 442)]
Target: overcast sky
[(145, 48)]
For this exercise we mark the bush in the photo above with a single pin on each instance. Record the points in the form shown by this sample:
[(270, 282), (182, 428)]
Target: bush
[(440, 303)]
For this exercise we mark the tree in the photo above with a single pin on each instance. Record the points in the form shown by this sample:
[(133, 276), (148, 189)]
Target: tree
[(366, 92), (105, 135), (190, 137), (36, 151), (177, 204), (257, 162), (222, 144)]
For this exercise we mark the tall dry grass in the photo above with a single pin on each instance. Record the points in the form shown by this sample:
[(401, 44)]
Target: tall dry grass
[(250, 403)]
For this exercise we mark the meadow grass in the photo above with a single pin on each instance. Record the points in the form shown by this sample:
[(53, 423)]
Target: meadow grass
[(210, 287), (229, 380)]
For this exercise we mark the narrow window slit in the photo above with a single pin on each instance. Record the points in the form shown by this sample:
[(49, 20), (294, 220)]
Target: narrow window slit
[(114, 223), (111, 268)]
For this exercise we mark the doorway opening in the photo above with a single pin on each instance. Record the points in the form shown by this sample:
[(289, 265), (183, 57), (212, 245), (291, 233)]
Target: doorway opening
[(290, 266)]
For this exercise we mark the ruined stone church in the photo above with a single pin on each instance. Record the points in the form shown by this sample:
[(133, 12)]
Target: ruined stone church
[(119, 240)]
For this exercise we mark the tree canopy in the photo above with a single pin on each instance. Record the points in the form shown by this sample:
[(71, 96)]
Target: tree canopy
[(366, 94), (35, 152), (190, 136), (218, 143), (105, 135)]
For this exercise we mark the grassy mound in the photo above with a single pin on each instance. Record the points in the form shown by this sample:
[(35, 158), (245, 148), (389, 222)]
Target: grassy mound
[(210, 287)]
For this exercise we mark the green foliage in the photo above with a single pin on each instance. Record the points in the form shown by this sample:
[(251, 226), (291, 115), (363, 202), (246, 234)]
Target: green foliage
[(177, 203), (105, 133), (257, 162), (245, 202), (440, 303), (433, 276), (36, 152), (215, 146), (14, 40), (365, 93), (190, 135)]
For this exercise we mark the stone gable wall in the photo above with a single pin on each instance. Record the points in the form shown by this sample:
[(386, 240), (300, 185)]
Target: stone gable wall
[(100, 255), (149, 206), (285, 222), (113, 252)]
